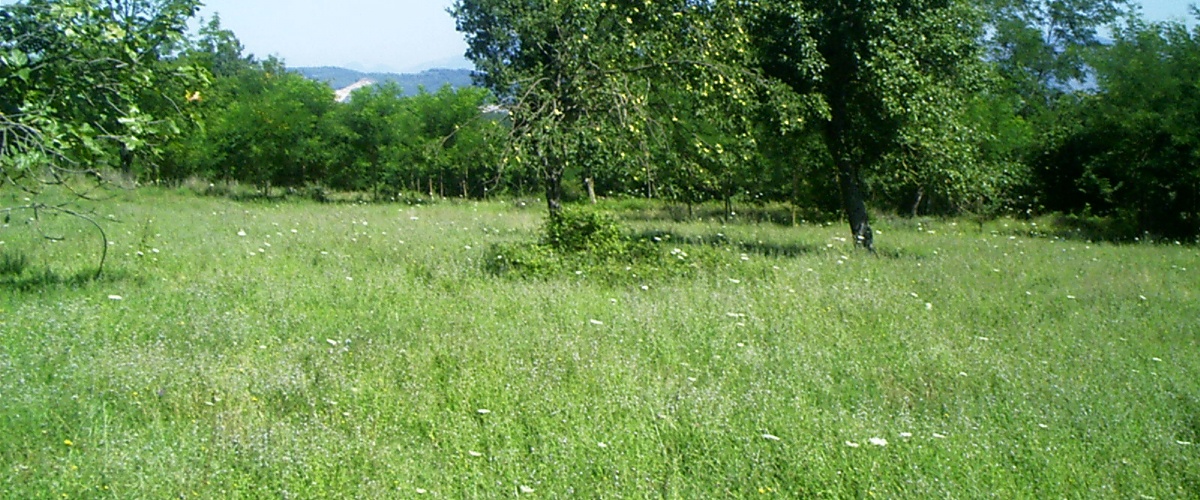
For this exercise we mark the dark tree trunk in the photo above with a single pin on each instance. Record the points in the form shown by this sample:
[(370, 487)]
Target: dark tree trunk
[(855, 206), (848, 172), (553, 191)]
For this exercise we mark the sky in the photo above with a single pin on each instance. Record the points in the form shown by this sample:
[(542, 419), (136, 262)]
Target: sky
[(369, 35), (392, 35)]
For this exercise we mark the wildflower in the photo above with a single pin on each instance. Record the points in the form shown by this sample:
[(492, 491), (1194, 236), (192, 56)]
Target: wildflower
[(602, 445), (115, 297), (242, 232), (928, 306), (734, 281), (939, 436), (332, 342), (421, 491), (68, 442), (1143, 297), (474, 453), (1071, 297), (852, 444), (1156, 360), (905, 435), (596, 322), (483, 411), (877, 441), (527, 490), (1043, 426), (770, 437)]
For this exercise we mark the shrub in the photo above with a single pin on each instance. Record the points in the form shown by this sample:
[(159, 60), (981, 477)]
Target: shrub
[(574, 231)]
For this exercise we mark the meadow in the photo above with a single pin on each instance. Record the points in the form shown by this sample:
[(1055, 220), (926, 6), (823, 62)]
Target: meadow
[(290, 349)]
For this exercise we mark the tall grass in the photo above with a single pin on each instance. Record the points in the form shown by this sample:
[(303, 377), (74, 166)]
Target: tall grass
[(299, 350)]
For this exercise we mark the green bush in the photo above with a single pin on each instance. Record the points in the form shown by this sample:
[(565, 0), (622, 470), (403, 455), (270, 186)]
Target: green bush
[(574, 231)]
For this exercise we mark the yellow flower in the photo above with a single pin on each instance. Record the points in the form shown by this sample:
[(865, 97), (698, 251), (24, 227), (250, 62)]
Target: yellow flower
[(68, 442)]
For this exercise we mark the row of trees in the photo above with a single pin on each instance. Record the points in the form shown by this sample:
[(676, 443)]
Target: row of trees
[(261, 124), (914, 105), (936, 105)]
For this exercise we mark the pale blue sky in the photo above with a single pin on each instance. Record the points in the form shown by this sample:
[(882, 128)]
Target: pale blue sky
[(388, 35), (391, 35)]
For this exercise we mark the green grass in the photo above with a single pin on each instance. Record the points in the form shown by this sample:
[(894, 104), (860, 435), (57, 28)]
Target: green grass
[(349, 350)]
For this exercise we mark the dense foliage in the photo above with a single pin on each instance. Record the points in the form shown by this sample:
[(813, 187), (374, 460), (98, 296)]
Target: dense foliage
[(915, 106)]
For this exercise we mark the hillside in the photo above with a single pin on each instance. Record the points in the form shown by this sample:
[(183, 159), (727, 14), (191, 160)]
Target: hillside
[(431, 80)]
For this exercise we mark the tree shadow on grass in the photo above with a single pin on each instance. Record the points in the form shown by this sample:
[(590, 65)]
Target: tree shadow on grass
[(763, 248), (752, 214), (32, 280)]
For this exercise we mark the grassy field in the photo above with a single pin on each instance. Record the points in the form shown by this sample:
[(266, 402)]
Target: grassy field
[(297, 350)]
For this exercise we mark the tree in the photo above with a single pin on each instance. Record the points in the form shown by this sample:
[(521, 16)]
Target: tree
[(1132, 152), (1039, 46), (890, 78), (577, 76), (74, 75), (272, 128)]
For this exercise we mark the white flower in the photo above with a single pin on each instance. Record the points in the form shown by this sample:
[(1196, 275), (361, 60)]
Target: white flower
[(422, 491), (241, 232), (734, 281), (852, 444), (878, 441), (928, 306), (602, 445), (1183, 443), (115, 297), (1071, 297), (483, 411), (332, 342), (770, 437), (474, 453), (596, 322), (526, 489), (1043, 426), (1157, 360), (939, 436), (905, 435)]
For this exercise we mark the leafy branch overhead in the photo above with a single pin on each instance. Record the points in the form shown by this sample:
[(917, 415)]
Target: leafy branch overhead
[(78, 79)]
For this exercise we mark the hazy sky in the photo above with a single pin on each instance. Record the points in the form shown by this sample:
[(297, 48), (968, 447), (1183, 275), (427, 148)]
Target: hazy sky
[(392, 35), (389, 35)]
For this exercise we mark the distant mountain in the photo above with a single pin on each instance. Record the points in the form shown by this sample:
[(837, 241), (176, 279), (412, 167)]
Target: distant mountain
[(431, 80)]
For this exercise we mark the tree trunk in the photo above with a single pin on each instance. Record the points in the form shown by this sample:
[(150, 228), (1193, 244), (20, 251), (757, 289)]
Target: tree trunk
[(846, 162), (553, 177), (855, 206), (591, 187)]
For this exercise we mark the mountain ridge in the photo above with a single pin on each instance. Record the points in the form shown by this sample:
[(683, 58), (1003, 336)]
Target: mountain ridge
[(431, 79)]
